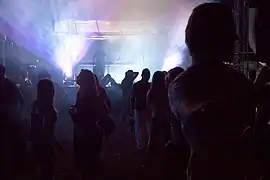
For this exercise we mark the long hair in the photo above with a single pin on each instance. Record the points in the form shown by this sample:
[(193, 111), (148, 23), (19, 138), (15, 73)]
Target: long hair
[(158, 89), (45, 92), (98, 86), (88, 86), (158, 81)]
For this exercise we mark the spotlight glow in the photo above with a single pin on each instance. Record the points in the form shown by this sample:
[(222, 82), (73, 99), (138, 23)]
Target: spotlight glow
[(69, 52), (171, 61)]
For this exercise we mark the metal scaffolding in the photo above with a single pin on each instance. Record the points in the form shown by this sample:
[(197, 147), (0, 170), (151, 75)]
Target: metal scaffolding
[(241, 15)]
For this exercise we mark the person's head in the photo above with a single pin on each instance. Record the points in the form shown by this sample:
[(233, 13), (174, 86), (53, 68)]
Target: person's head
[(173, 73), (2, 71), (44, 75), (86, 80), (211, 33), (158, 80), (129, 73), (45, 92), (146, 75)]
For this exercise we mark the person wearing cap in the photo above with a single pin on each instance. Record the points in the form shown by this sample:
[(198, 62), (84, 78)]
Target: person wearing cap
[(126, 87), (212, 100), (140, 112)]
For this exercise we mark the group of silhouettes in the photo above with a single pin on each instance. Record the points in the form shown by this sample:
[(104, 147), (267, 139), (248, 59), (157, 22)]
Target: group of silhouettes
[(211, 113), (90, 116)]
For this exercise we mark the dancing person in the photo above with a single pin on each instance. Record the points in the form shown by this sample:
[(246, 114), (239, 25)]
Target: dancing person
[(43, 119), (108, 80), (139, 109), (213, 102), (87, 137)]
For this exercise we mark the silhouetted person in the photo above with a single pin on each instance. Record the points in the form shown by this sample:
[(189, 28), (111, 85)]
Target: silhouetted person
[(126, 87), (213, 101), (60, 92), (108, 80), (176, 131), (177, 148), (3, 126), (140, 111), (157, 100), (263, 94), (43, 119), (262, 122), (176, 134), (87, 137), (11, 102), (26, 88)]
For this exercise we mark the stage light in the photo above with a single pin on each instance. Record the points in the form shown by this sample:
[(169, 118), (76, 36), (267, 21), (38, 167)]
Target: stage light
[(69, 51), (67, 70)]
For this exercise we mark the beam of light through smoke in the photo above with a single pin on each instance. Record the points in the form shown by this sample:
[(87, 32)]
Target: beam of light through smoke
[(171, 61), (66, 51), (69, 51)]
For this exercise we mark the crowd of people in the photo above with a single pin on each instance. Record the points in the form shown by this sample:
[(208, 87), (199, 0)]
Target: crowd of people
[(212, 119)]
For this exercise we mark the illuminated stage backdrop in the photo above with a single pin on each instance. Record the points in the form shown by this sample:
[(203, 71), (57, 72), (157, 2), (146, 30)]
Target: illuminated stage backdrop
[(40, 23)]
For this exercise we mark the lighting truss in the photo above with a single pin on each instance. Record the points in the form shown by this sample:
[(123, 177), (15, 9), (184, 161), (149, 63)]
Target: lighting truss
[(95, 29)]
